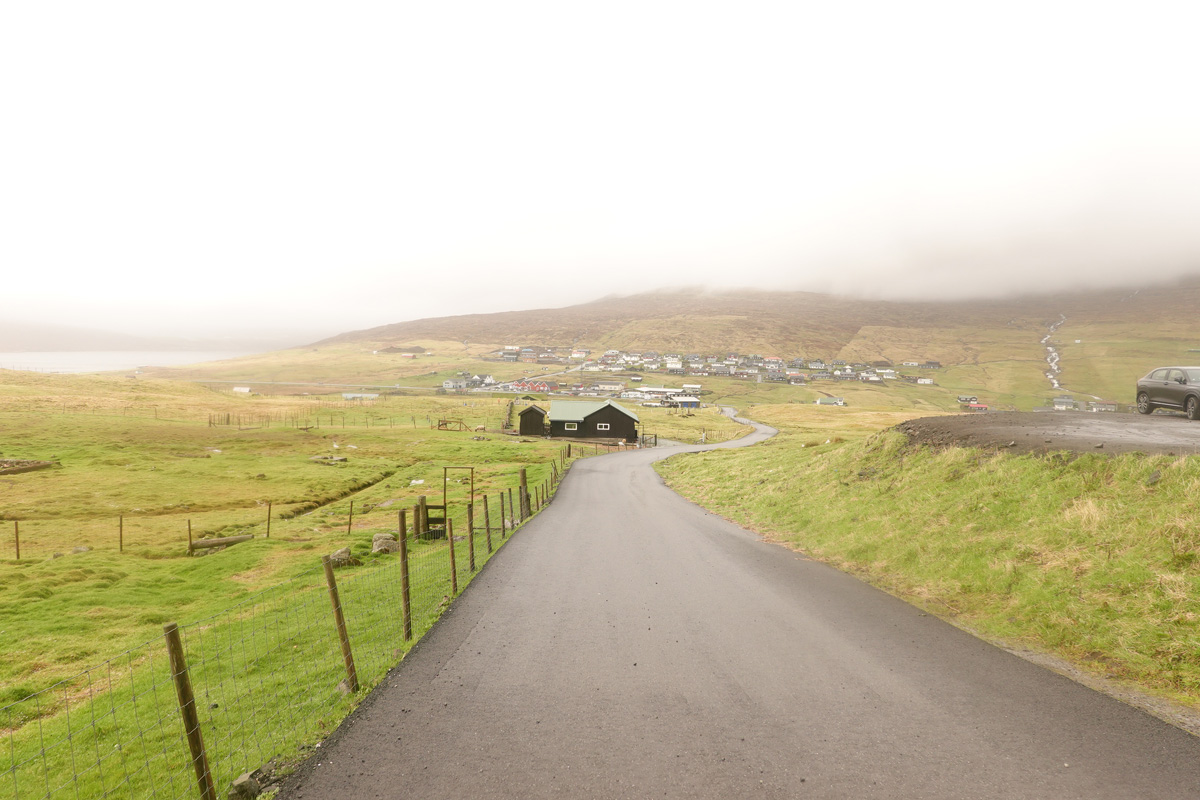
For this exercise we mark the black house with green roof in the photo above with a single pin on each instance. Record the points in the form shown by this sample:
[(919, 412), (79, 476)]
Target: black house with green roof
[(592, 420)]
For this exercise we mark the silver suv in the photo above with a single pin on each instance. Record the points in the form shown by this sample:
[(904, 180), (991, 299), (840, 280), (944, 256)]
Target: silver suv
[(1170, 387)]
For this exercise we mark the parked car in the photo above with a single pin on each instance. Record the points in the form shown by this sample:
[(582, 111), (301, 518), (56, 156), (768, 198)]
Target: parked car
[(1170, 387)]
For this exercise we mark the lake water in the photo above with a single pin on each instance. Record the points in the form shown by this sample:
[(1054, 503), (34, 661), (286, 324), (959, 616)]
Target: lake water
[(108, 360)]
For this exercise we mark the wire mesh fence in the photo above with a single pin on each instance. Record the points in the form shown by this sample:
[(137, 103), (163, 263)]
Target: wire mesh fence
[(260, 681)]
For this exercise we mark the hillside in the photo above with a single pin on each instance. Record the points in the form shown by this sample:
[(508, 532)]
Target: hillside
[(791, 322)]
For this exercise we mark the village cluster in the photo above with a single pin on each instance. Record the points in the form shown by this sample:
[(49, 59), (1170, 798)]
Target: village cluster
[(797, 371)]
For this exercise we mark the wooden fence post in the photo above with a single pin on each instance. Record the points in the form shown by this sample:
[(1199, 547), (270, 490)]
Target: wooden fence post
[(340, 621), (268, 519), (423, 512), (502, 531), (487, 523), (351, 521), (453, 569), (524, 495), (471, 536), (187, 709), (405, 600), (512, 510)]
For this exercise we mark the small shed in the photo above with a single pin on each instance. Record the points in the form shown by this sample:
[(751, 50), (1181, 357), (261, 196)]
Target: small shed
[(532, 421), (591, 420)]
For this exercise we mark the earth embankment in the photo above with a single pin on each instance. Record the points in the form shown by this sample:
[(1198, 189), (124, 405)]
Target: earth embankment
[(1044, 432)]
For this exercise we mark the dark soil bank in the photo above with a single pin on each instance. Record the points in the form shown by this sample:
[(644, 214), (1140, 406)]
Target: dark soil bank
[(1043, 432)]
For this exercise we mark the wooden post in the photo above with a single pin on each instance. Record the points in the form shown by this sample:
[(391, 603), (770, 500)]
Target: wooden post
[(568, 449), (121, 533), (487, 523), (187, 709), (502, 531), (268, 519), (405, 600), (453, 569), (471, 536), (423, 511), (524, 495), (17, 537), (416, 509), (351, 520), (340, 621), (512, 510)]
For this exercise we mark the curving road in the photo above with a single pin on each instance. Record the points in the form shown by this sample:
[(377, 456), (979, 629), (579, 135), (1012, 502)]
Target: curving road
[(627, 644)]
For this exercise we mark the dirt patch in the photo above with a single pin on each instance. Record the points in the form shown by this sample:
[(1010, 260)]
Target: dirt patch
[(1050, 431), (10, 466)]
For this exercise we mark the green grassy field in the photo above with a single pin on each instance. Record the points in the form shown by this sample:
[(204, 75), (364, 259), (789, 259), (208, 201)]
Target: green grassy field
[(137, 464)]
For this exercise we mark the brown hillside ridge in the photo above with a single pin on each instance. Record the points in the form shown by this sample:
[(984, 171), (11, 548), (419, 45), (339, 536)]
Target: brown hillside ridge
[(768, 322)]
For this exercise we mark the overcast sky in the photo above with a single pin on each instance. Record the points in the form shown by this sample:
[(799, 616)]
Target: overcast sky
[(292, 166)]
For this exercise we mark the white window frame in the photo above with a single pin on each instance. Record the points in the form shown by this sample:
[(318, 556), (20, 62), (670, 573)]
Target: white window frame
[(570, 426), (602, 426)]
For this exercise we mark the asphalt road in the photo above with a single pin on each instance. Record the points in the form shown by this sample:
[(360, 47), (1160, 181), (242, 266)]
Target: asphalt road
[(627, 644)]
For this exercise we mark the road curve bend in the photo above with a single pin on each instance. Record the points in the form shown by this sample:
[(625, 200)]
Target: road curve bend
[(629, 644)]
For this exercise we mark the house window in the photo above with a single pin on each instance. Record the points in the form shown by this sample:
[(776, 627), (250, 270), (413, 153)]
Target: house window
[(601, 426), (571, 426)]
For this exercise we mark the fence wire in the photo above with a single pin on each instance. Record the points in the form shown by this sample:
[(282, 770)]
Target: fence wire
[(267, 675)]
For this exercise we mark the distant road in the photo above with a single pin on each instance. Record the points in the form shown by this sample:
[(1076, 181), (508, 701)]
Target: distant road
[(628, 644)]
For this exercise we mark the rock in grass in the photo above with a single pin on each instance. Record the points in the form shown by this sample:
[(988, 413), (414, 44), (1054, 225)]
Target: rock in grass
[(384, 543), (244, 788), (342, 558)]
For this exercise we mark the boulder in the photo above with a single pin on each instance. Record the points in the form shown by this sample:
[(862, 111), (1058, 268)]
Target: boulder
[(342, 558), (384, 543), (244, 788)]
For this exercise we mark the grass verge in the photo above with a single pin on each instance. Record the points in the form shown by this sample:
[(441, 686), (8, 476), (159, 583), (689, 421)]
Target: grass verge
[(1093, 558)]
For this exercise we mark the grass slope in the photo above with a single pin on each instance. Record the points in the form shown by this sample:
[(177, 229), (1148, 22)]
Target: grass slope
[(1094, 558)]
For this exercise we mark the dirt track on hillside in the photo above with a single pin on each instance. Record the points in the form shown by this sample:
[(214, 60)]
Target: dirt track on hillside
[(1044, 432)]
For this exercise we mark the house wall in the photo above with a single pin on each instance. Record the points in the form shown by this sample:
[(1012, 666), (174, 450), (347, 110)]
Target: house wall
[(621, 426)]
